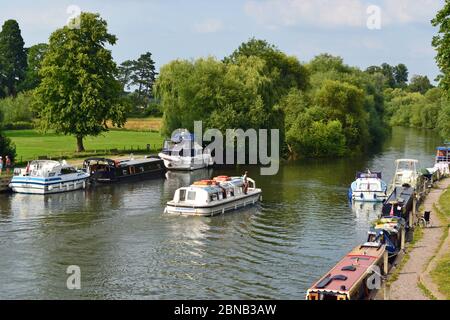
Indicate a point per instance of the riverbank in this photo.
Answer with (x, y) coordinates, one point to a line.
(33, 145)
(413, 280)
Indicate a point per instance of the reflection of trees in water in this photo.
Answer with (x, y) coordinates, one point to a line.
(5, 206)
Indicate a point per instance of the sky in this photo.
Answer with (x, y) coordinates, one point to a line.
(399, 30)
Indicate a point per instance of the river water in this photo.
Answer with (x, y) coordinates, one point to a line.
(127, 248)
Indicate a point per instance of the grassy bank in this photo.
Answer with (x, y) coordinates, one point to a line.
(441, 273)
(31, 144)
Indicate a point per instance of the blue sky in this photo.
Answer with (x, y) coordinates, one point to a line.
(304, 28)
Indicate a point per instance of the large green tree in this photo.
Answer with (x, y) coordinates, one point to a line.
(441, 43)
(79, 92)
(13, 58)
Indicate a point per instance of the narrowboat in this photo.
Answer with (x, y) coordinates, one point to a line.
(183, 153)
(350, 279)
(214, 197)
(400, 203)
(389, 231)
(102, 170)
(368, 187)
(47, 177)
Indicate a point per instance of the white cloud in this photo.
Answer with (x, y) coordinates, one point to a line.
(410, 11)
(209, 26)
(339, 13)
(325, 13)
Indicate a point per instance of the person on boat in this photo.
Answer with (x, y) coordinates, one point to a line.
(1, 165)
(245, 178)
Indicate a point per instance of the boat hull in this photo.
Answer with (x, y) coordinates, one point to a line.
(373, 196)
(42, 187)
(216, 209)
(186, 163)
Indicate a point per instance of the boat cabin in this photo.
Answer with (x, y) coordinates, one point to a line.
(405, 173)
(443, 154)
(46, 169)
(209, 191)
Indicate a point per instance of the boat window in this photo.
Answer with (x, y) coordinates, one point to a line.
(51, 174)
(68, 170)
(182, 195)
(191, 195)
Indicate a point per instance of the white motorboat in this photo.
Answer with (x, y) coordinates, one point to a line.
(214, 197)
(46, 177)
(405, 174)
(183, 153)
(368, 187)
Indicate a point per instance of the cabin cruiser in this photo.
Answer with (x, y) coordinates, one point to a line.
(443, 160)
(46, 177)
(104, 170)
(182, 152)
(214, 197)
(405, 174)
(368, 187)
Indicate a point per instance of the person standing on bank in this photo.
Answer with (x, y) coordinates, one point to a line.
(1, 165)
(7, 164)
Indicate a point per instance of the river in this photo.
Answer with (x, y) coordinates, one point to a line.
(127, 248)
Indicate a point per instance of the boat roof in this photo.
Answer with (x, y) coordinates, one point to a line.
(125, 161)
(366, 175)
(443, 148)
(350, 270)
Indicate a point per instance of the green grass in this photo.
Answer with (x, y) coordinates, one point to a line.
(31, 144)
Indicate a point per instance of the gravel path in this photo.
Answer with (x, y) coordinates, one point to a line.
(406, 288)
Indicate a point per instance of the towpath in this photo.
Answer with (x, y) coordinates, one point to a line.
(406, 286)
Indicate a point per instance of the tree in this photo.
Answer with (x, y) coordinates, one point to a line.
(6, 146)
(79, 93)
(143, 76)
(285, 71)
(441, 42)
(35, 56)
(420, 84)
(13, 59)
(388, 72)
(401, 75)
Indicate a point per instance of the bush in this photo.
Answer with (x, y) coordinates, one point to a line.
(20, 125)
(18, 109)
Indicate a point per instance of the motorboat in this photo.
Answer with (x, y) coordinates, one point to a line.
(368, 187)
(47, 176)
(405, 174)
(214, 197)
(104, 170)
(442, 163)
(348, 279)
(400, 203)
(183, 153)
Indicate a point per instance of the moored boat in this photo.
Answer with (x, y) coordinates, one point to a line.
(183, 153)
(213, 197)
(443, 160)
(46, 177)
(406, 173)
(104, 170)
(349, 279)
(389, 231)
(368, 187)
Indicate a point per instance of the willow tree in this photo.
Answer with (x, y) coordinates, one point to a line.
(79, 94)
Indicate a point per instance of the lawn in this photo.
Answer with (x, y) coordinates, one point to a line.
(31, 144)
